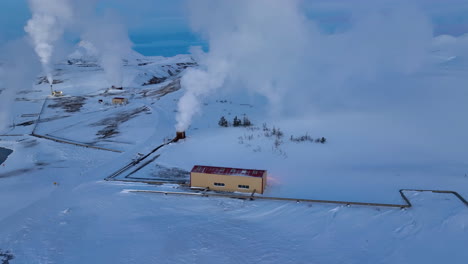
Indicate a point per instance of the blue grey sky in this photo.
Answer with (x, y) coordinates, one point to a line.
(160, 27)
(152, 24)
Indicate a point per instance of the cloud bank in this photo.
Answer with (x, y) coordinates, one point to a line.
(271, 48)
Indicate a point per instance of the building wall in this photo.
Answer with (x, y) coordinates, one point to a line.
(230, 182)
(119, 101)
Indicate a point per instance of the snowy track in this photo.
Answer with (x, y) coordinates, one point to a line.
(133, 163)
(73, 143)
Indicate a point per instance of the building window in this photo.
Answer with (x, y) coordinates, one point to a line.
(219, 184)
(243, 186)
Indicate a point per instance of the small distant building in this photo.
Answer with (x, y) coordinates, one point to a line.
(57, 93)
(119, 100)
(228, 179)
(179, 135)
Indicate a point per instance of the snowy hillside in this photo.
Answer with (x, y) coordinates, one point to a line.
(56, 206)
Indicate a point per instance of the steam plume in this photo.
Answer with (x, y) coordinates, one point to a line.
(46, 27)
(18, 70)
(271, 48)
(110, 39)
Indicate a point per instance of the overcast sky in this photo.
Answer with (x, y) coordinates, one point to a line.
(165, 16)
(141, 16)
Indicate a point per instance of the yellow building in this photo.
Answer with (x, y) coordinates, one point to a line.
(228, 179)
(119, 100)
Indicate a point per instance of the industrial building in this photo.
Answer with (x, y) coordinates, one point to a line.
(228, 179)
(119, 100)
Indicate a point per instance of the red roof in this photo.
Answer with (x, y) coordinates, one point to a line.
(227, 171)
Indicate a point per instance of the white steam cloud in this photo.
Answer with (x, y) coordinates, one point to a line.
(270, 47)
(106, 33)
(46, 27)
(110, 39)
(18, 69)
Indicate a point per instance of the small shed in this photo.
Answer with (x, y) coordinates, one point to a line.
(228, 179)
(119, 100)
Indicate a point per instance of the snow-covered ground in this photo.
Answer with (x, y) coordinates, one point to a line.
(56, 207)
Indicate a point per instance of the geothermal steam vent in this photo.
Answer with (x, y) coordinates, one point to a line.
(179, 135)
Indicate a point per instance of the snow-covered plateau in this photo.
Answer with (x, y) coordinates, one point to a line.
(57, 207)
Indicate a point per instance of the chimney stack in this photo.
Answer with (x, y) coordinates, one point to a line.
(179, 135)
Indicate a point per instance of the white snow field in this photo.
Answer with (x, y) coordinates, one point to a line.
(56, 207)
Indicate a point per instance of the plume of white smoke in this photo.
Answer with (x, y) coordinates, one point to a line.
(244, 47)
(201, 83)
(110, 39)
(106, 33)
(270, 47)
(17, 72)
(49, 18)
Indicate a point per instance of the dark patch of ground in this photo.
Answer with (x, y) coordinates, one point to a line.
(41, 164)
(43, 79)
(112, 123)
(69, 104)
(144, 63)
(155, 80)
(43, 120)
(27, 123)
(5, 257)
(81, 63)
(186, 64)
(165, 173)
(30, 143)
(24, 99)
(170, 88)
(28, 91)
(15, 173)
(4, 153)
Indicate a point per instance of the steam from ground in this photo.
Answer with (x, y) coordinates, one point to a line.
(271, 48)
(46, 27)
(50, 20)
(110, 39)
(52, 17)
(18, 71)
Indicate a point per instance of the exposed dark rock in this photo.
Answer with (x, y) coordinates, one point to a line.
(155, 80)
(43, 120)
(43, 79)
(112, 123)
(170, 88)
(169, 174)
(5, 257)
(69, 104)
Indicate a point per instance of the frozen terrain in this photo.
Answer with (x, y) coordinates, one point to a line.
(55, 206)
